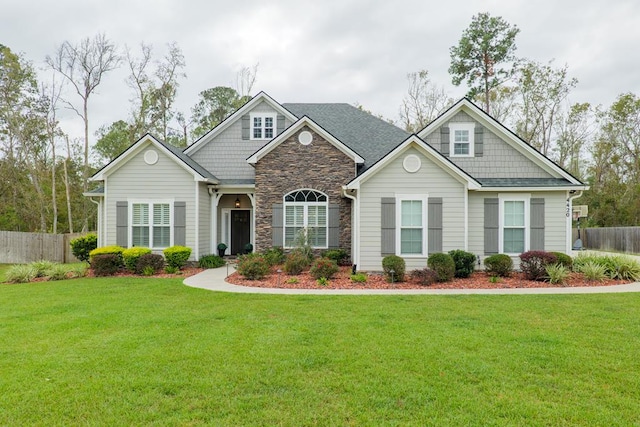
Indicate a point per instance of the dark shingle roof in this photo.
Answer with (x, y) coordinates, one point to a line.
(523, 182)
(188, 160)
(365, 134)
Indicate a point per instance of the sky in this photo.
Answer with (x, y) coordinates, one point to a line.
(353, 51)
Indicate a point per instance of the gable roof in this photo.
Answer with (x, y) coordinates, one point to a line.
(367, 135)
(505, 134)
(190, 165)
(248, 106)
(304, 121)
(429, 151)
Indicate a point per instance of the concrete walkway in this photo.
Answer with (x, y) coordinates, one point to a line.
(214, 280)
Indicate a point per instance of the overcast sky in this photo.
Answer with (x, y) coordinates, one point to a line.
(353, 51)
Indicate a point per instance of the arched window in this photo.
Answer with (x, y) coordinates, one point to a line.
(306, 211)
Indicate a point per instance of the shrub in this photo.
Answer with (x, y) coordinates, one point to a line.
(147, 261)
(77, 271)
(171, 270)
(624, 268)
(177, 256)
(533, 263)
(564, 259)
(20, 273)
(130, 256)
(323, 281)
(324, 267)
(295, 262)
(340, 256)
(148, 271)
(359, 278)
(425, 276)
(211, 261)
(57, 272)
(83, 245)
(107, 250)
(465, 262)
(105, 264)
(443, 265)
(499, 265)
(293, 280)
(42, 267)
(592, 271)
(557, 273)
(253, 266)
(397, 265)
(301, 244)
(274, 255)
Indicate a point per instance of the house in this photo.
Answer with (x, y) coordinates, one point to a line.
(349, 179)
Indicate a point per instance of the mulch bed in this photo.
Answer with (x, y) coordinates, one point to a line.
(184, 273)
(478, 280)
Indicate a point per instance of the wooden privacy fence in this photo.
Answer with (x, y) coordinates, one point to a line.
(19, 248)
(620, 239)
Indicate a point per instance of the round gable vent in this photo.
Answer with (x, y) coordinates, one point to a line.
(305, 137)
(411, 163)
(151, 157)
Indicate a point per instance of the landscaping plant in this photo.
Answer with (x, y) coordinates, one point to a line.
(533, 264)
(83, 245)
(500, 265)
(130, 256)
(425, 276)
(394, 268)
(211, 261)
(148, 262)
(106, 264)
(108, 250)
(564, 259)
(557, 274)
(465, 262)
(252, 266)
(323, 268)
(443, 265)
(295, 262)
(177, 256)
(358, 278)
(274, 255)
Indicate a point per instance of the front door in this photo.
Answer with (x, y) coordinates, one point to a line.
(240, 230)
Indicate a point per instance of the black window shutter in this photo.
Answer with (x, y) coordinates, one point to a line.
(277, 221)
(491, 225)
(122, 224)
(246, 126)
(180, 223)
(444, 141)
(537, 225)
(478, 141)
(434, 216)
(334, 226)
(388, 232)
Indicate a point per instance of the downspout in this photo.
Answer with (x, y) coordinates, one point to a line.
(98, 227)
(213, 222)
(355, 214)
(577, 194)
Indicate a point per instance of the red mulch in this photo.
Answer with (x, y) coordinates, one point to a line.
(478, 280)
(184, 273)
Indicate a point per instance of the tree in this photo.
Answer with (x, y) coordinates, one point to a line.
(112, 140)
(484, 56)
(83, 66)
(423, 102)
(213, 106)
(574, 131)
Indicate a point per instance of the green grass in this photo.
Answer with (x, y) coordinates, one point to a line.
(152, 351)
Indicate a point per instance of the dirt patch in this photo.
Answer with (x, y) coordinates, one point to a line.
(342, 280)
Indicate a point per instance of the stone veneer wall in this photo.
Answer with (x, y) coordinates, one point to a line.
(292, 166)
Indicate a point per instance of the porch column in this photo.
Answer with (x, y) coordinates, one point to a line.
(215, 198)
(252, 197)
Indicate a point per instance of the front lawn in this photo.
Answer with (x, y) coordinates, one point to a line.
(137, 351)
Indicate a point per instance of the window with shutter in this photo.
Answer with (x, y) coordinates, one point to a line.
(151, 224)
(306, 210)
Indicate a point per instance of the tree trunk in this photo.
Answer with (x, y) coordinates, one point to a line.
(66, 186)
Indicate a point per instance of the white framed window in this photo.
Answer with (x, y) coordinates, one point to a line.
(306, 211)
(411, 221)
(461, 139)
(514, 224)
(262, 125)
(151, 224)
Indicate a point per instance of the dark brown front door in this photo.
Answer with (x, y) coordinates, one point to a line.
(240, 230)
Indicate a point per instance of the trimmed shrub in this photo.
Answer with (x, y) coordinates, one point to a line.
(340, 256)
(149, 261)
(397, 265)
(564, 259)
(425, 276)
(557, 274)
(323, 267)
(130, 256)
(83, 245)
(499, 265)
(177, 256)
(295, 262)
(274, 255)
(465, 262)
(253, 266)
(211, 261)
(533, 264)
(359, 278)
(20, 273)
(106, 264)
(107, 250)
(443, 265)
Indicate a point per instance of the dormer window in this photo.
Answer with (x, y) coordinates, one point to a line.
(461, 139)
(262, 125)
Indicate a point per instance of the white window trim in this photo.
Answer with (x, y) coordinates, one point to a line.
(424, 198)
(263, 116)
(526, 198)
(453, 127)
(150, 202)
(305, 217)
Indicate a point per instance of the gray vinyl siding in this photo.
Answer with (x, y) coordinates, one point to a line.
(226, 155)
(204, 213)
(135, 179)
(394, 180)
(499, 159)
(555, 237)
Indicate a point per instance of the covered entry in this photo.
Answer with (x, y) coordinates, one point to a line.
(240, 230)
